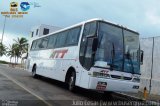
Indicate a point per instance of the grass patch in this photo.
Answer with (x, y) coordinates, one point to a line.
(3, 62)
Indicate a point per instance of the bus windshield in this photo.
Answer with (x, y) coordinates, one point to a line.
(117, 48)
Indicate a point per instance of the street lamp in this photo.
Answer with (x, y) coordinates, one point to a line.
(3, 29)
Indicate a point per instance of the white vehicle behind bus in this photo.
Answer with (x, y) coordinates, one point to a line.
(95, 54)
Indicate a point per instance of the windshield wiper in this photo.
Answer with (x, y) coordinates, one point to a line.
(113, 56)
(128, 55)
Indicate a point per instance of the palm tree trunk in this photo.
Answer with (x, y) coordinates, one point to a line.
(15, 59)
(21, 62)
(10, 62)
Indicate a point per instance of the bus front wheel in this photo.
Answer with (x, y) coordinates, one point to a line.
(71, 82)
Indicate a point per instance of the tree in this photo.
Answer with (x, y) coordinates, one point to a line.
(2, 49)
(11, 51)
(17, 49)
(20, 47)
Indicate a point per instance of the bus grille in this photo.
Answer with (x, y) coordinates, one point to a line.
(121, 77)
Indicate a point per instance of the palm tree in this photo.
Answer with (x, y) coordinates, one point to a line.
(11, 51)
(20, 47)
(17, 49)
(2, 49)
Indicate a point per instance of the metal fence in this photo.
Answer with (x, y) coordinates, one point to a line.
(150, 70)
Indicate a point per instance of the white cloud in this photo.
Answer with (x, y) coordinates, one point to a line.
(153, 17)
(9, 40)
(136, 14)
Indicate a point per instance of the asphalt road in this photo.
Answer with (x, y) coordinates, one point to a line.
(17, 87)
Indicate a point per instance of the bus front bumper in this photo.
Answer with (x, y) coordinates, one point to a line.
(115, 85)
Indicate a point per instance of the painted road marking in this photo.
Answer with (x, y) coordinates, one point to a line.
(19, 84)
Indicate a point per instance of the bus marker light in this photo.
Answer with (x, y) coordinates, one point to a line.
(145, 93)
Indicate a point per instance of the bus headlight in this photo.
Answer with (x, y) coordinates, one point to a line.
(136, 80)
(135, 87)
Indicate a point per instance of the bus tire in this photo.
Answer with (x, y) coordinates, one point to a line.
(71, 81)
(34, 75)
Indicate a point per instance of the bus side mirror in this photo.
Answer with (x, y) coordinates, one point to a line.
(95, 44)
(141, 56)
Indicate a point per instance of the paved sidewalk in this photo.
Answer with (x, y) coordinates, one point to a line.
(151, 99)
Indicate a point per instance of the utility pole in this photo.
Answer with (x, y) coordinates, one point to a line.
(3, 29)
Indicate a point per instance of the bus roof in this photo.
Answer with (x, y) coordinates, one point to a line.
(83, 22)
(115, 24)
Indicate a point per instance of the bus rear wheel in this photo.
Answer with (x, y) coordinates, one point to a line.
(71, 83)
(34, 75)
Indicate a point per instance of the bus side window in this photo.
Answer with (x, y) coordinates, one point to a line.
(73, 36)
(52, 41)
(37, 45)
(33, 45)
(89, 29)
(43, 43)
(88, 54)
(61, 39)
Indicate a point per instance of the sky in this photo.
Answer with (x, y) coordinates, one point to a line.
(140, 15)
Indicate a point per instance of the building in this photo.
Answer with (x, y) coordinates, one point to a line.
(150, 70)
(38, 31)
(43, 30)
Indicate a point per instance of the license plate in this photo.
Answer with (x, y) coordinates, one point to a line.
(101, 85)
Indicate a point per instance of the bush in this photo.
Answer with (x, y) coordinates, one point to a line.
(3, 62)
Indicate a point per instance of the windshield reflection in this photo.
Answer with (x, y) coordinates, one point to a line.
(131, 63)
(110, 46)
(111, 50)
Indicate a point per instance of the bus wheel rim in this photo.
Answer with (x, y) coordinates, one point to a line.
(34, 72)
(71, 83)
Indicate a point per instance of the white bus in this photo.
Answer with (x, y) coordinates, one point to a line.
(95, 54)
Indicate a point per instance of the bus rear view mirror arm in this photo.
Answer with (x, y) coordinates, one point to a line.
(141, 56)
(95, 44)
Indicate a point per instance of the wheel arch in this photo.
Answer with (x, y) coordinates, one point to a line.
(34, 65)
(69, 71)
